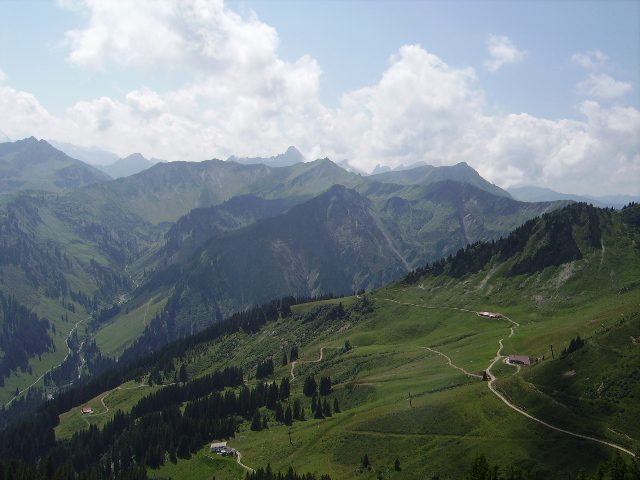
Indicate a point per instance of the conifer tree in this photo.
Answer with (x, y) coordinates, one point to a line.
(256, 422)
(310, 386)
(326, 408)
(288, 415)
(325, 385)
(285, 388)
(297, 409)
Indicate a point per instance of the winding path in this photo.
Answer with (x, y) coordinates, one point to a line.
(493, 378)
(295, 362)
(474, 375)
(239, 460)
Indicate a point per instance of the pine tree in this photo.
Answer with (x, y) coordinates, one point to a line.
(326, 408)
(285, 388)
(325, 385)
(297, 409)
(288, 415)
(293, 355)
(365, 461)
(318, 413)
(310, 386)
(396, 465)
(336, 406)
(256, 422)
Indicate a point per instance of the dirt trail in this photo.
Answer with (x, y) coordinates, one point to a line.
(493, 378)
(491, 384)
(239, 460)
(295, 362)
(474, 375)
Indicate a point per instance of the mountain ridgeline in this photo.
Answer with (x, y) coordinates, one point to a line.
(104, 260)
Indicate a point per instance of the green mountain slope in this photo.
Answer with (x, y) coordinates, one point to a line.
(406, 366)
(339, 242)
(426, 174)
(32, 164)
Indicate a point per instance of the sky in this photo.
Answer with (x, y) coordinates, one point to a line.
(543, 93)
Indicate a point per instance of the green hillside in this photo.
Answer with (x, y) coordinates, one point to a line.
(341, 241)
(407, 368)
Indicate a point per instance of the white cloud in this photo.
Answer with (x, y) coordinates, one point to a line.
(420, 106)
(603, 86)
(591, 59)
(502, 51)
(201, 35)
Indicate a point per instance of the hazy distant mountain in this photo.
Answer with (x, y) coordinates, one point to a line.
(401, 167)
(345, 164)
(3, 137)
(33, 164)
(124, 167)
(540, 194)
(461, 172)
(380, 169)
(286, 159)
(92, 156)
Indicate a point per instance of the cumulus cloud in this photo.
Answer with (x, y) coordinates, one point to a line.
(202, 35)
(420, 106)
(603, 86)
(503, 51)
(591, 59)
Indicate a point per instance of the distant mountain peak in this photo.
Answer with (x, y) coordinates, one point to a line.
(290, 157)
(380, 169)
(125, 167)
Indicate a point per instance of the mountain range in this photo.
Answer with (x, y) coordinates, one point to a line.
(109, 261)
(538, 194)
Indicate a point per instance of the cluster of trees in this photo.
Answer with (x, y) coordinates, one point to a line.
(265, 368)
(617, 469)
(311, 387)
(23, 335)
(268, 474)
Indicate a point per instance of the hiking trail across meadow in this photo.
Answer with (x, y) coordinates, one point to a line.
(493, 378)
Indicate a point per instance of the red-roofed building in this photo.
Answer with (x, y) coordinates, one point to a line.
(519, 359)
